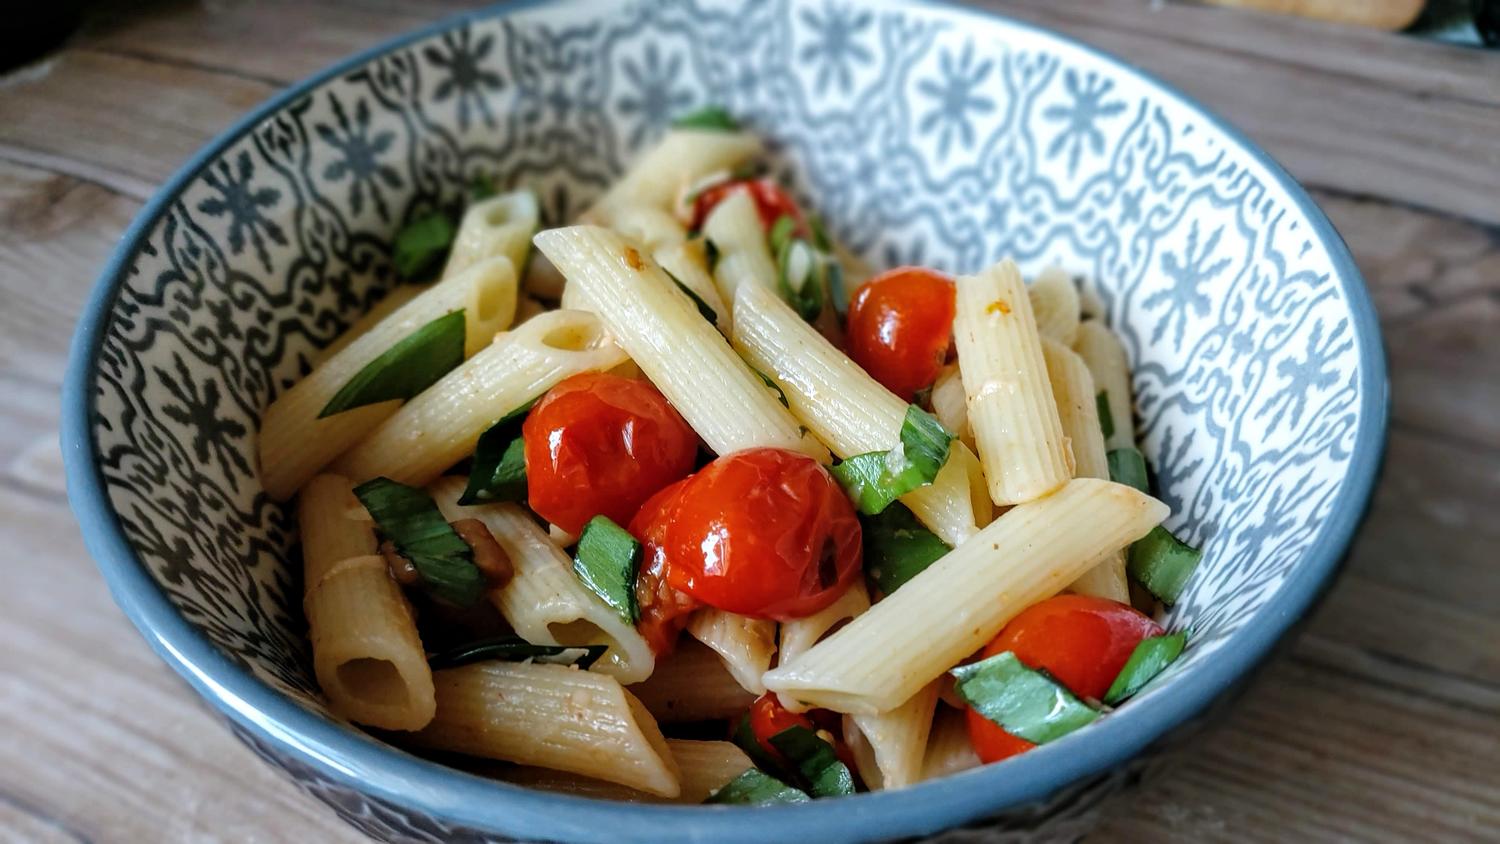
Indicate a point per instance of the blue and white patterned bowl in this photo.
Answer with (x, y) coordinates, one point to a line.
(925, 134)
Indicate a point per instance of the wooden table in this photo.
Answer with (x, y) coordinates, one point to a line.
(1381, 722)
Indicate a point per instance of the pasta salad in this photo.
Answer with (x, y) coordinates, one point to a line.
(682, 502)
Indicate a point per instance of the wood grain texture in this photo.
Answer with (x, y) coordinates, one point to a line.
(1380, 722)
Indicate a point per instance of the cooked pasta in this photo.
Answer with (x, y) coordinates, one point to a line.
(746, 645)
(1105, 357)
(735, 229)
(692, 684)
(681, 158)
(501, 226)
(948, 747)
(1054, 301)
(890, 747)
(703, 766)
(397, 297)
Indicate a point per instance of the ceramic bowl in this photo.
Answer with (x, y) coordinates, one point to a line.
(925, 134)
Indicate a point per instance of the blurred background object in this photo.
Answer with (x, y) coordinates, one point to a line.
(1381, 14)
(27, 37)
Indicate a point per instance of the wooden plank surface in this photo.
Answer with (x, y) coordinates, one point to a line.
(1381, 722)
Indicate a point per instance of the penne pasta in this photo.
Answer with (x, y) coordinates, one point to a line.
(703, 766)
(544, 600)
(850, 411)
(948, 747)
(801, 634)
(735, 229)
(890, 747)
(1105, 357)
(686, 262)
(1073, 388)
(951, 609)
(367, 655)
(685, 357)
(692, 684)
(295, 443)
(950, 406)
(501, 226)
(681, 157)
(552, 716)
(441, 426)
(1011, 407)
(650, 226)
(746, 645)
(1054, 301)
(398, 296)
(541, 279)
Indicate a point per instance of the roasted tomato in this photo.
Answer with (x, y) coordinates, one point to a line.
(768, 717)
(900, 328)
(764, 532)
(600, 444)
(664, 610)
(770, 201)
(1083, 642)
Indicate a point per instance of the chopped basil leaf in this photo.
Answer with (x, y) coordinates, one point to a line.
(422, 244)
(412, 365)
(713, 117)
(607, 560)
(781, 233)
(744, 738)
(897, 547)
(1163, 563)
(1106, 418)
(499, 470)
(408, 517)
(1128, 466)
(481, 188)
(877, 478)
(1146, 661)
(819, 234)
(816, 762)
(772, 386)
(1027, 703)
(516, 649)
(704, 309)
(835, 280)
(799, 276)
(756, 788)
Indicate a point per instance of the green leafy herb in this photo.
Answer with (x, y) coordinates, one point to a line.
(877, 478)
(405, 369)
(1128, 466)
(756, 788)
(800, 271)
(772, 386)
(413, 523)
(1106, 417)
(781, 233)
(744, 738)
(816, 762)
(607, 560)
(704, 309)
(714, 117)
(897, 547)
(422, 244)
(499, 470)
(482, 187)
(1163, 563)
(1027, 703)
(819, 234)
(516, 649)
(1146, 661)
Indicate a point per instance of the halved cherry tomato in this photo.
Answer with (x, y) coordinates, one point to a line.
(664, 610)
(900, 328)
(600, 444)
(766, 533)
(770, 201)
(768, 717)
(1082, 641)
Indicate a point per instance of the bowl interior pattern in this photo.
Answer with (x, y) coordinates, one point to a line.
(923, 134)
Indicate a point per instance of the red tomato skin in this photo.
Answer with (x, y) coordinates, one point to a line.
(766, 533)
(900, 328)
(768, 717)
(771, 202)
(664, 610)
(1082, 641)
(601, 444)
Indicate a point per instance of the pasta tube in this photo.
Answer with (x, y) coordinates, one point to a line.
(692, 684)
(1105, 357)
(889, 748)
(501, 226)
(1054, 300)
(746, 645)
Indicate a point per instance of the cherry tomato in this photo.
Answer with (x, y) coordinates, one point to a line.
(768, 717)
(770, 201)
(664, 610)
(602, 444)
(900, 328)
(1082, 641)
(766, 533)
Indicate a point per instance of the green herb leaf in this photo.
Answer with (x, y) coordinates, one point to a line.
(744, 738)
(1163, 564)
(704, 309)
(1146, 661)
(607, 560)
(816, 762)
(756, 788)
(799, 276)
(1027, 703)
(781, 233)
(877, 478)
(408, 517)
(772, 386)
(516, 649)
(1128, 466)
(1106, 417)
(412, 365)
(897, 547)
(422, 244)
(820, 237)
(714, 117)
(482, 187)
(499, 470)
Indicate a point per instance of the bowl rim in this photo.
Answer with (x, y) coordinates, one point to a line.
(369, 767)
